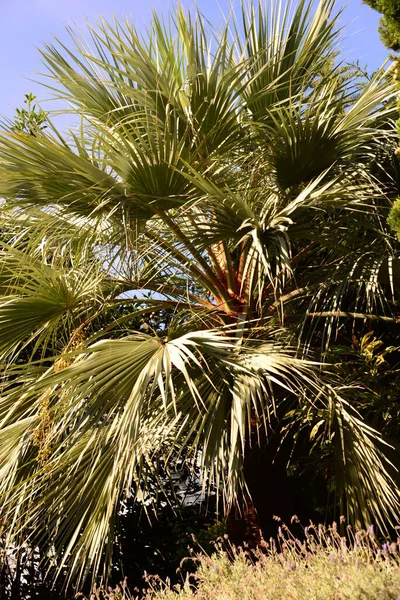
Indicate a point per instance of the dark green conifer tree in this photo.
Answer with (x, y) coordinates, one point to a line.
(389, 27)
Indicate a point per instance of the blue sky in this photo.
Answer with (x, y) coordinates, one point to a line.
(26, 25)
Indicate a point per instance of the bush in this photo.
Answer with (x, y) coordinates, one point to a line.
(325, 565)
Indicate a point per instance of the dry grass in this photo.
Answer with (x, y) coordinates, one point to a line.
(323, 566)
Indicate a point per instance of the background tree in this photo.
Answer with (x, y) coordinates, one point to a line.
(389, 30)
(31, 119)
(389, 27)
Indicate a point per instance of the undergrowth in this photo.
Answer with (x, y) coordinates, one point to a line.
(327, 563)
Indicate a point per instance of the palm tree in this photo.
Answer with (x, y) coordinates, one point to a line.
(229, 184)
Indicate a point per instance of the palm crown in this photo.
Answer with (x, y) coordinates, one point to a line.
(230, 184)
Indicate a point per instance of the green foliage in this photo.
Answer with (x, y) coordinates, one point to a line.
(323, 564)
(389, 30)
(389, 27)
(30, 119)
(394, 217)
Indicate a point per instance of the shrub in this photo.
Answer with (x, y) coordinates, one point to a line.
(325, 565)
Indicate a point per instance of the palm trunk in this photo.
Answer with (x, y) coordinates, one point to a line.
(243, 527)
(273, 493)
(243, 522)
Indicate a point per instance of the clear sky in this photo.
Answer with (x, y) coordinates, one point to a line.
(26, 24)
